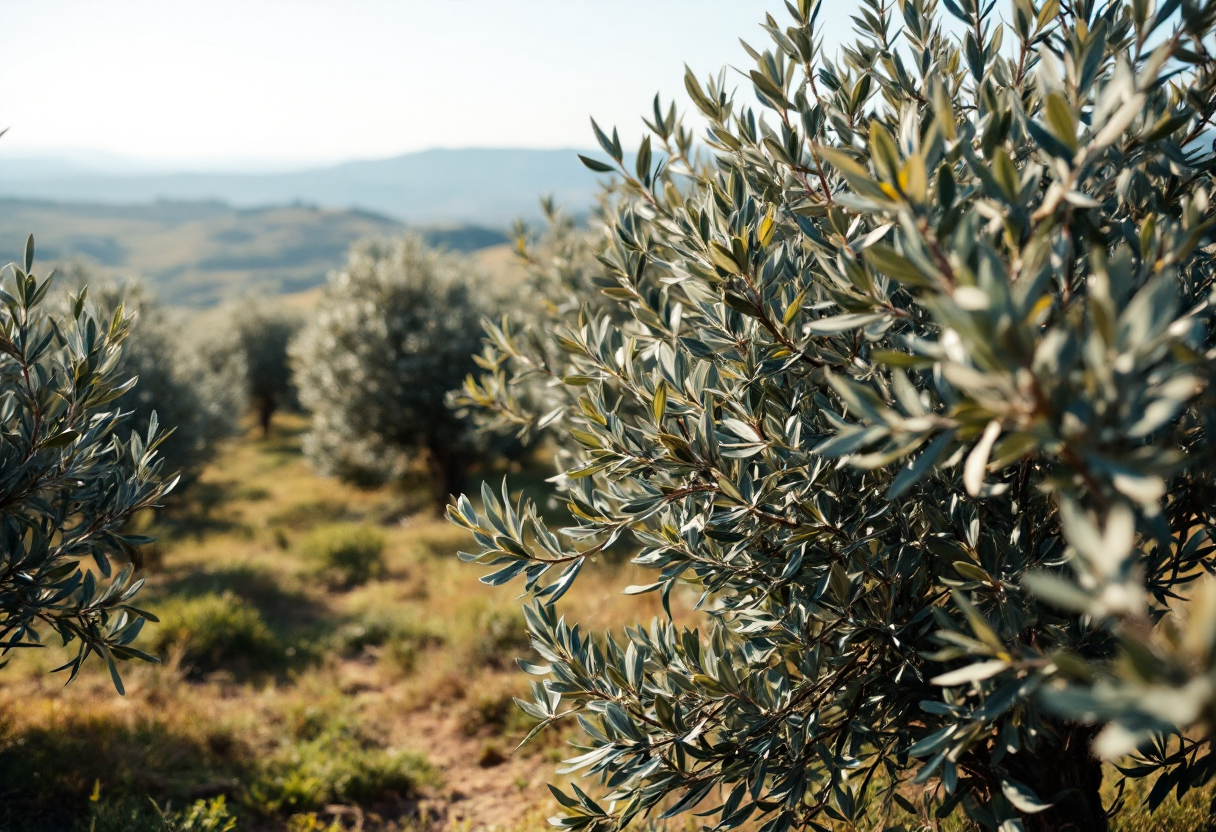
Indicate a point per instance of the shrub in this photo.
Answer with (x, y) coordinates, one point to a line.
(400, 638)
(346, 553)
(335, 767)
(915, 389)
(393, 335)
(500, 637)
(68, 480)
(217, 631)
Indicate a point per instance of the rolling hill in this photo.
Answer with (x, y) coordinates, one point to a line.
(489, 187)
(198, 253)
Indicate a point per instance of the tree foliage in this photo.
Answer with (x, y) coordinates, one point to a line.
(393, 334)
(259, 331)
(183, 380)
(69, 480)
(909, 384)
(520, 390)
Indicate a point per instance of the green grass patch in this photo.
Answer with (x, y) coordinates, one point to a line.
(327, 758)
(345, 553)
(216, 631)
(394, 635)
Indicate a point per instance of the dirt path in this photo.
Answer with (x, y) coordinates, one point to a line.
(483, 791)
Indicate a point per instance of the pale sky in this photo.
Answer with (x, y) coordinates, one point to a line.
(207, 83)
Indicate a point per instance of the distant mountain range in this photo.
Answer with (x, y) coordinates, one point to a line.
(487, 187)
(199, 253)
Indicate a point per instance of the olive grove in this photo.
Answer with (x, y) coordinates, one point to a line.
(392, 336)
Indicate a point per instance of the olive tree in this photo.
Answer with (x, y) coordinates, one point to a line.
(393, 334)
(253, 346)
(913, 398)
(181, 382)
(71, 474)
(519, 391)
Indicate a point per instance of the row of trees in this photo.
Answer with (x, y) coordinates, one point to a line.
(199, 379)
(111, 401)
(393, 336)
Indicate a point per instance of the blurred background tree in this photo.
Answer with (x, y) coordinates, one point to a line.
(393, 334)
(253, 342)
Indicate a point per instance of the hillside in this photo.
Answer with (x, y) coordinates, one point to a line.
(198, 253)
(480, 186)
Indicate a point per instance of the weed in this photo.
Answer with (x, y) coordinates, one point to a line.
(307, 775)
(130, 814)
(396, 636)
(491, 755)
(310, 822)
(325, 757)
(204, 816)
(345, 553)
(217, 631)
(500, 637)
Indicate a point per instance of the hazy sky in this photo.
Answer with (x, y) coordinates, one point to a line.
(215, 82)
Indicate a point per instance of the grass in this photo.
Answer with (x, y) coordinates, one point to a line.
(213, 631)
(345, 554)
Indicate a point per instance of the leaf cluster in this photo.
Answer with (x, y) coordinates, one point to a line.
(69, 481)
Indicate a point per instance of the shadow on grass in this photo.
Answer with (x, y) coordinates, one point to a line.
(284, 445)
(302, 517)
(51, 776)
(238, 619)
(198, 512)
(47, 774)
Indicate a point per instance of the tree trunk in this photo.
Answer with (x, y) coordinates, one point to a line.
(1065, 774)
(449, 472)
(265, 414)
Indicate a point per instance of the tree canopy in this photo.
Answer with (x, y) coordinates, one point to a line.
(394, 333)
(908, 391)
